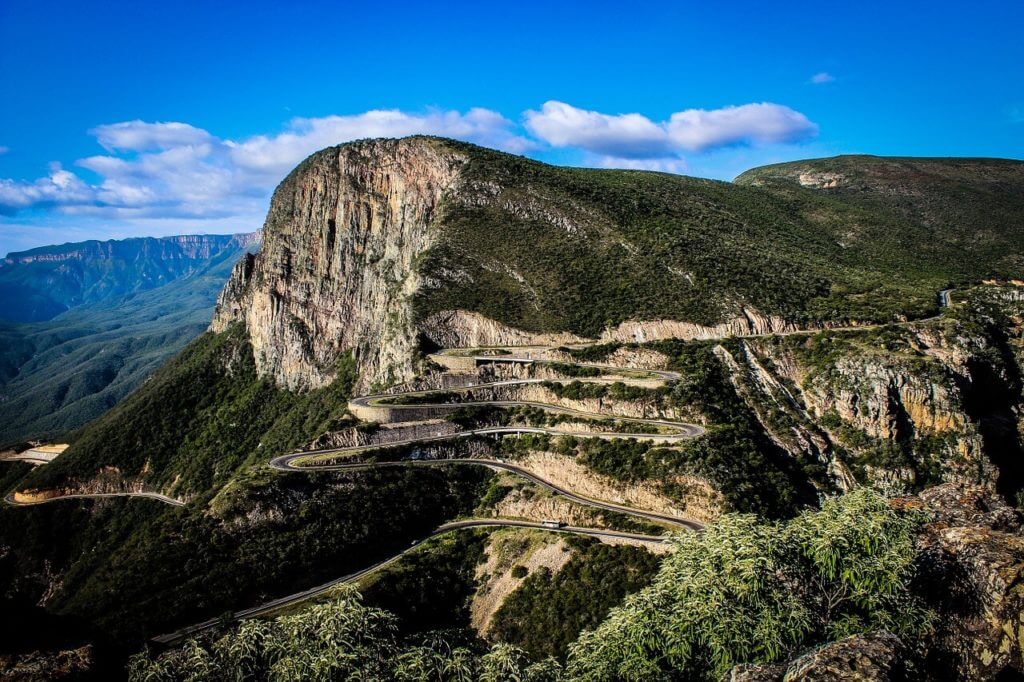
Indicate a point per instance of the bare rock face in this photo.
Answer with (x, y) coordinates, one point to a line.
(748, 321)
(861, 658)
(335, 273)
(465, 329)
(976, 549)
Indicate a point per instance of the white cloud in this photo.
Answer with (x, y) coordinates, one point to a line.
(621, 135)
(140, 136)
(57, 188)
(183, 177)
(663, 165)
(280, 153)
(634, 136)
(175, 170)
(822, 77)
(765, 123)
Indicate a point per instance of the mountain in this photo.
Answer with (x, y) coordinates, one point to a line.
(378, 246)
(39, 284)
(824, 378)
(58, 374)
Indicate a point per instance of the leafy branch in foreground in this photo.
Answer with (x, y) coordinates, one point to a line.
(339, 640)
(744, 591)
(749, 591)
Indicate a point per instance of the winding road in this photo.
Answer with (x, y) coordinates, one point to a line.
(467, 360)
(71, 496)
(282, 602)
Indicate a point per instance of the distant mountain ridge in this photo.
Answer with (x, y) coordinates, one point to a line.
(57, 374)
(41, 283)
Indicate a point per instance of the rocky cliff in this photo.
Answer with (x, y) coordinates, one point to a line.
(899, 407)
(336, 271)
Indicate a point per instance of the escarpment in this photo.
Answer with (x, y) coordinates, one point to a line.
(336, 274)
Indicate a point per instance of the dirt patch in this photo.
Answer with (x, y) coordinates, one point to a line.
(511, 558)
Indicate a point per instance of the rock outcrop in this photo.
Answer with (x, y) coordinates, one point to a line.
(860, 658)
(975, 563)
(335, 274)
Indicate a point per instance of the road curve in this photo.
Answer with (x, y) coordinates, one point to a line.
(288, 463)
(152, 496)
(281, 602)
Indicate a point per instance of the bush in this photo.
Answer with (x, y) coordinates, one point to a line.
(750, 591)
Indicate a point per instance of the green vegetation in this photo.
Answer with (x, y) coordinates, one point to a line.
(548, 611)
(943, 206)
(141, 568)
(584, 249)
(37, 284)
(735, 454)
(59, 374)
(195, 441)
(430, 588)
(341, 640)
(579, 390)
(749, 591)
(743, 591)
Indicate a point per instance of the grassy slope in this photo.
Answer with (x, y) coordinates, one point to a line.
(57, 375)
(576, 249)
(199, 419)
(960, 214)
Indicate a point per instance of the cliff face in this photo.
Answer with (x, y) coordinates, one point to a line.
(899, 408)
(336, 271)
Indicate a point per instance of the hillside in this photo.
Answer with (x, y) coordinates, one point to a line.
(623, 355)
(940, 205)
(58, 374)
(39, 284)
(381, 246)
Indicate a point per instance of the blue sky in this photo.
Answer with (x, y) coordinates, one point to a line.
(124, 119)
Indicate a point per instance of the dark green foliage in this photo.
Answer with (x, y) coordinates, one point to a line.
(145, 568)
(941, 206)
(46, 540)
(339, 640)
(199, 419)
(430, 588)
(735, 454)
(623, 459)
(548, 611)
(610, 246)
(579, 390)
(749, 591)
(59, 374)
(11, 474)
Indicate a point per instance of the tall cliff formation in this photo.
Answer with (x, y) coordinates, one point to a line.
(336, 270)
